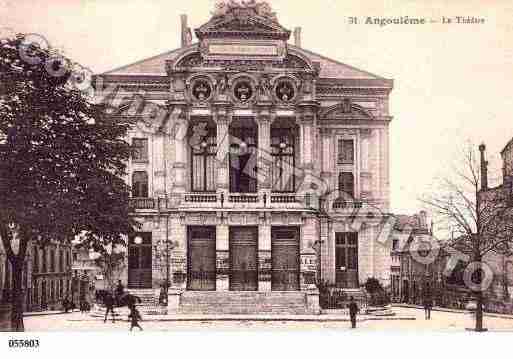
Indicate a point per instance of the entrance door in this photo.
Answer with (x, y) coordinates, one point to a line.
(243, 258)
(285, 258)
(139, 260)
(346, 259)
(201, 263)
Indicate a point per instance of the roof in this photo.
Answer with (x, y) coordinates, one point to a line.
(329, 68)
(403, 221)
(507, 146)
(155, 65)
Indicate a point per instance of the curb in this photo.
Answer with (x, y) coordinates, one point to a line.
(252, 319)
(460, 311)
(44, 313)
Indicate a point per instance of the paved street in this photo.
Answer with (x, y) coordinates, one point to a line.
(441, 321)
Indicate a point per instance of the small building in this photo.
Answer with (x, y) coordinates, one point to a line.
(501, 263)
(46, 276)
(408, 276)
(51, 275)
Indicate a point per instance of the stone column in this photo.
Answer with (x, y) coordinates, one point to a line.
(222, 256)
(264, 120)
(178, 261)
(180, 139)
(178, 255)
(159, 173)
(264, 253)
(306, 160)
(308, 257)
(324, 249)
(223, 119)
(327, 158)
(307, 141)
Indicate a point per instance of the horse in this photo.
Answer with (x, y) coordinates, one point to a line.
(128, 300)
(125, 300)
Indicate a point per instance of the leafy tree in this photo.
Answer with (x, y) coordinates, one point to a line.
(372, 285)
(378, 295)
(62, 161)
(112, 266)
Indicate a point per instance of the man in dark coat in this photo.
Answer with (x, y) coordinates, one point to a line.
(66, 304)
(353, 310)
(120, 290)
(134, 317)
(108, 300)
(428, 303)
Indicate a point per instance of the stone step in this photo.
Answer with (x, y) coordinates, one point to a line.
(149, 297)
(206, 302)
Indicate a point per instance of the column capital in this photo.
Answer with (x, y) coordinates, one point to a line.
(365, 132)
(326, 132)
(307, 117)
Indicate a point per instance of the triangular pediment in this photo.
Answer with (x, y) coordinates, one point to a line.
(346, 110)
(248, 20)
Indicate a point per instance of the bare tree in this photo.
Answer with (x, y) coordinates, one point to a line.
(481, 218)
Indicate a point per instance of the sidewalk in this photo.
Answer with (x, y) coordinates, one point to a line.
(451, 310)
(253, 317)
(49, 312)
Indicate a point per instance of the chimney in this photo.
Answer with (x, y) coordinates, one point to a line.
(297, 36)
(186, 32)
(484, 168)
(423, 219)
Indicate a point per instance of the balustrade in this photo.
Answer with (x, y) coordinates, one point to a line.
(142, 203)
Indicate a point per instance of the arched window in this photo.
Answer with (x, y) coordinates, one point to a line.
(140, 184)
(52, 261)
(61, 261)
(346, 184)
(283, 151)
(45, 261)
(203, 157)
(35, 263)
(243, 156)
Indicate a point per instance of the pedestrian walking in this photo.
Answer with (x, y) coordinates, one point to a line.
(353, 310)
(119, 291)
(66, 304)
(134, 317)
(108, 300)
(428, 303)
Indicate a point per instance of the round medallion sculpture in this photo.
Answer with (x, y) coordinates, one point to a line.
(201, 90)
(285, 91)
(243, 91)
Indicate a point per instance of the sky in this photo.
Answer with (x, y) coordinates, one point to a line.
(452, 82)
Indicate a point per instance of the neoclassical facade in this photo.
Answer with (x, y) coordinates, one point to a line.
(254, 157)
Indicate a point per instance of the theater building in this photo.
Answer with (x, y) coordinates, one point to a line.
(252, 153)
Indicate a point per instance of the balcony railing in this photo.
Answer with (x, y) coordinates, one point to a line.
(201, 198)
(341, 204)
(284, 198)
(243, 198)
(142, 203)
(221, 200)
